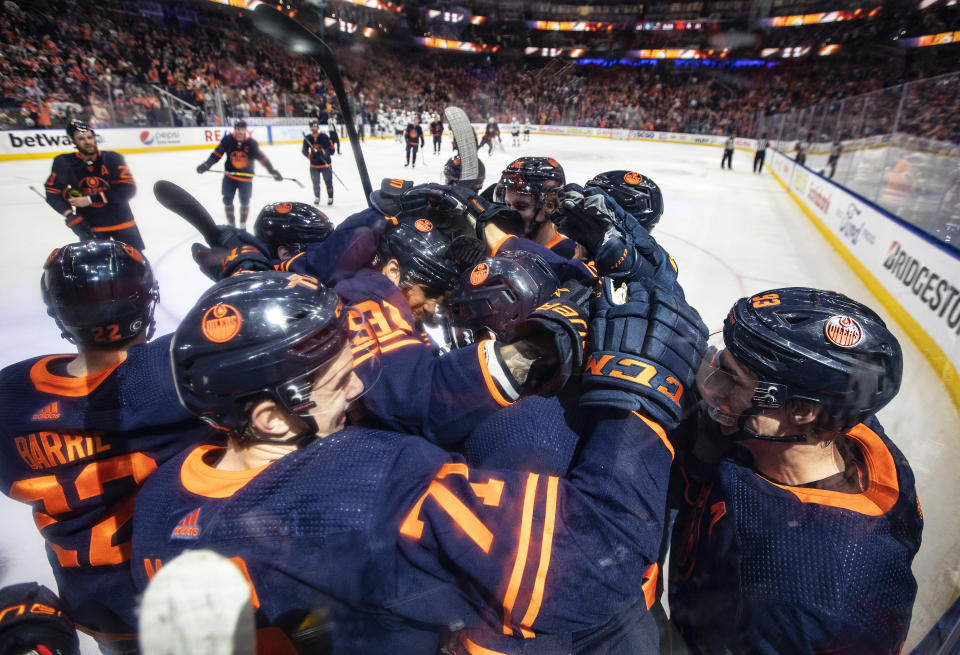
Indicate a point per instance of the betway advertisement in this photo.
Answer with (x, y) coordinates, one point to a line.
(26, 144)
(922, 276)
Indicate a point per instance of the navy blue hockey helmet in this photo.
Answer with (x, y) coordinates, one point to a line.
(501, 291)
(421, 250)
(32, 622)
(636, 193)
(451, 173)
(77, 125)
(101, 293)
(293, 225)
(263, 333)
(815, 345)
(527, 175)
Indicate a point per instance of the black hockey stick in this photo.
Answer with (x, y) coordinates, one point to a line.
(299, 39)
(181, 203)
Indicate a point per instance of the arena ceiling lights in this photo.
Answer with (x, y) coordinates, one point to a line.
(448, 44)
(584, 26)
(814, 19)
(942, 38)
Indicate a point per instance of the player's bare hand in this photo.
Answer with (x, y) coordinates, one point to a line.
(82, 201)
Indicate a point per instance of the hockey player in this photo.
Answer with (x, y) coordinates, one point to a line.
(288, 228)
(835, 151)
(82, 432)
(436, 129)
(391, 538)
(727, 153)
(515, 132)
(799, 517)
(92, 190)
(529, 187)
(491, 133)
(319, 152)
(801, 155)
(333, 134)
(451, 174)
(241, 150)
(398, 126)
(413, 136)
(761, 153)
(526, 129)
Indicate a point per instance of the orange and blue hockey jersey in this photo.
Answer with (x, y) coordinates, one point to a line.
(318, 150)
(395, 540)
(240, 157)
(762, 567)
(413, 135)
(107, 181)
(77, 450)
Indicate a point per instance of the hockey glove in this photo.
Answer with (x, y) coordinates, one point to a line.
(402, 200)
(647, 348)
(593, 221)
(459, 210)
(276, 175)
(562, 322)
(220, 263)
(203, 168)
(80, 227)
(466, 252)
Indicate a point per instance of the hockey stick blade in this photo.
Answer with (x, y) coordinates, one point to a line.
(181, 203)
(300, 40)
(466, 140)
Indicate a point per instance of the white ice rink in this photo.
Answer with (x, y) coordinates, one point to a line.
(732, 234)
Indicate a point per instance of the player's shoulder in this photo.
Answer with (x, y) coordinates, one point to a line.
(15, 379)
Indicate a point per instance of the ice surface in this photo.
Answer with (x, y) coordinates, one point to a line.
(732, 233)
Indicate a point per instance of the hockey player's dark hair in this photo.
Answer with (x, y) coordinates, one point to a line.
(815, 345)
(101, 293)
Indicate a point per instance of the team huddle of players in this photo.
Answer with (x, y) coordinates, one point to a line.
(462, 421)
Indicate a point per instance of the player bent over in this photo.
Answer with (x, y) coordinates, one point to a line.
(390, 538)
(319, 151)
(92, 190)
(241, 151)
(80, 433)
(799, 518)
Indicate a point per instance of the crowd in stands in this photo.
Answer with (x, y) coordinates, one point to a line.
(119, 63)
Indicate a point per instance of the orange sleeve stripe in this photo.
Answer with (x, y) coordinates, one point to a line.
(477, 649)
(400, 344)
(546, 549)
(487, 378)
(499, 244)
(285, 265)
(526, 523)
(78, 219)
(42, 520)
(658, 429)
(113, 228)
(651, 579)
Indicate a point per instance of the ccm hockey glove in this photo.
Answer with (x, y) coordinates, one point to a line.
(559, 329)
(239, 252)
(646, 351)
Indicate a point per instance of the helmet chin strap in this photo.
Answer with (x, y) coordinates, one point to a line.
(300, 439)
(743, 432)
